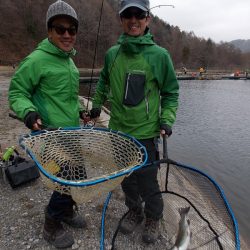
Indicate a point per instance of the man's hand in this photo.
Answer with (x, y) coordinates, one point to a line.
(95, 112)
(165, 129)
(85, 116)
(33, 121)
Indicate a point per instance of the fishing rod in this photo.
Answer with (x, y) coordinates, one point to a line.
(162, 5)
(94, 58)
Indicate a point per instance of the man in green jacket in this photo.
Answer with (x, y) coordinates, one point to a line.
(139, 80)
(44, 93)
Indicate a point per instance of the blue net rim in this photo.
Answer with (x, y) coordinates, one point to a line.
(96, 180)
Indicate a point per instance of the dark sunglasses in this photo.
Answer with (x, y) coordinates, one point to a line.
(137, 14)
(60, 30)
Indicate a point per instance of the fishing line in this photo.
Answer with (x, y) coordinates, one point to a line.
(96, 45)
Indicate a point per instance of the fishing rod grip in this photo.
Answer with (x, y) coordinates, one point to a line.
(165, 150)
(43, 127)
(14, 116)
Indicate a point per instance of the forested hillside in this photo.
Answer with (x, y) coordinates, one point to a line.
(23, 26)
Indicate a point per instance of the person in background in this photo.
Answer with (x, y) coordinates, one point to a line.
(138, 78)
(201, 71)
(237, 73)
(44, 93)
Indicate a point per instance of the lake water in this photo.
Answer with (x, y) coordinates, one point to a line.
(212, 133)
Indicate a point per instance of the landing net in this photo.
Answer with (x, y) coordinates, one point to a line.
(84, 162)
(212, 222)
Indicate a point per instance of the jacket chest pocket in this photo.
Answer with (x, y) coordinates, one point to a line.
(134, 88)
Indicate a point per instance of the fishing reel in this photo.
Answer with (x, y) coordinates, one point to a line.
(6, 159)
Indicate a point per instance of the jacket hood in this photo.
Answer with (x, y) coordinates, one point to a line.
(131, 44)
(49, 47)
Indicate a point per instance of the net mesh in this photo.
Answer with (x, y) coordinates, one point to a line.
(211, 221)
(84, 162)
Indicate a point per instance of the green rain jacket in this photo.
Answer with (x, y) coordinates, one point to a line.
(139, 80)
(47, 81)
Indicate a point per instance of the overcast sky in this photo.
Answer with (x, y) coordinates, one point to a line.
(220, 20)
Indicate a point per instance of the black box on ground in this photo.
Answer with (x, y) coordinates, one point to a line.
(21, 172)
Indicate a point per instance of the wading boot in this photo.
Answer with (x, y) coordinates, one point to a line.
(131, 221)
(151, 231)
(55, 234)
(73, 219)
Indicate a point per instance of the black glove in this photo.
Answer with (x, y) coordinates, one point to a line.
(95, 112)
(31, 118)
(167, 128)
(83, 114)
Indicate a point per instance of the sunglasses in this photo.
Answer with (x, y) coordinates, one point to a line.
(137, 14)
(60, 30)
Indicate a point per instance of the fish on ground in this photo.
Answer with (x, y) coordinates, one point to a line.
(184, 232)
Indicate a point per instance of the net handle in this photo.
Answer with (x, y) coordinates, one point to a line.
(165, 147)
(165, 158)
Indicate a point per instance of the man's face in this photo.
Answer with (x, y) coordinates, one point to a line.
(63, 33)
(134, 21)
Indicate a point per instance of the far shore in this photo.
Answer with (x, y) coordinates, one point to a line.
(190, 74)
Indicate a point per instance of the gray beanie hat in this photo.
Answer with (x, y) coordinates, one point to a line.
(141, 4)
(60, 8)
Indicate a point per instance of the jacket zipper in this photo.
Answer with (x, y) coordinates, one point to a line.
(127, 83)
(147, 104)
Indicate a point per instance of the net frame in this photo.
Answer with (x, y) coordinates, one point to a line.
(105, 182)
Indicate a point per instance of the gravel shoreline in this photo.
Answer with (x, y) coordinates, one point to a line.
(22, 209)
